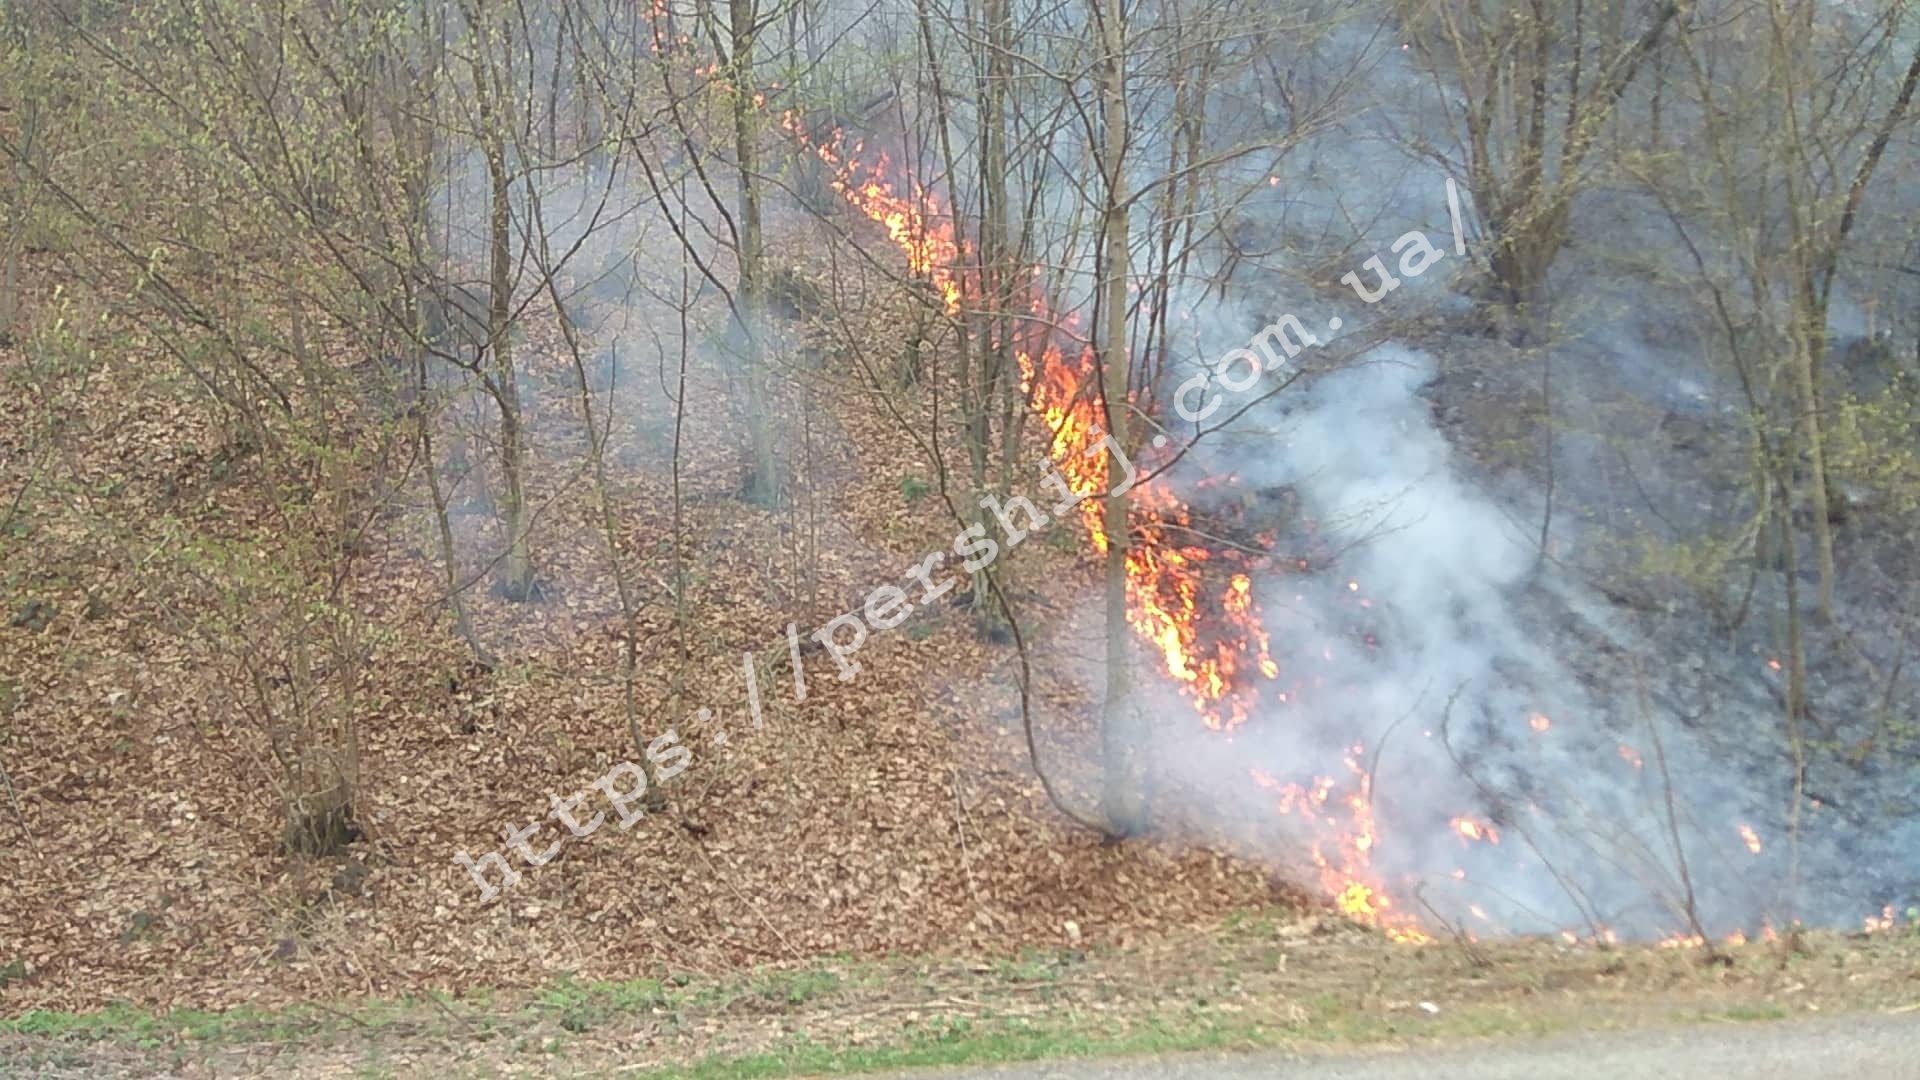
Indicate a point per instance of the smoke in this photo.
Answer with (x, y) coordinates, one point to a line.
(1433, 664)
(1478, 682)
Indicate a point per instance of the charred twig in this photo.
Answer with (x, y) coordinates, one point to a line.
(1580, 901)
(1475, 954)
(1690, 906)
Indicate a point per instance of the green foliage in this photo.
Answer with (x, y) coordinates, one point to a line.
(913, 488)
(581, 1007)
(1704, 566)
(1874, 443)
(800, 987)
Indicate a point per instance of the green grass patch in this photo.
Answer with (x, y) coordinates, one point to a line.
(572, 1006)
(966, 1041)
(581, 1007)
(853, 1017)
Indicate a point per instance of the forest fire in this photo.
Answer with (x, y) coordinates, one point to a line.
(1169, 592)
(1193, 604)
(1029, 508)
(1209, 638)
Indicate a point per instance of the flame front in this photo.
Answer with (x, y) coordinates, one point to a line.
(1342, 849)
(1169, 588)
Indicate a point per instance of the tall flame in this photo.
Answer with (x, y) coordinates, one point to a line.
(1168, 589)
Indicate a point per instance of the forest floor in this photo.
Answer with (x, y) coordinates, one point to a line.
(894, 813)
(1253, 980)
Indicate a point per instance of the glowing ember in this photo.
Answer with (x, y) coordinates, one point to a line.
(1539, 723)
(1469, 829)
(1631, 756)
(1750, 838)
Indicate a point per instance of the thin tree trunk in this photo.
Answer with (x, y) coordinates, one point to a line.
(1808, 344)
(1124, 793)
(765, 486)
(516, 581)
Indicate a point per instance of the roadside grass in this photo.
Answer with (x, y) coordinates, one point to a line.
(1254, 981)
(572, 1006)
(569, 1005)
(990, 1040)
(982, 1041)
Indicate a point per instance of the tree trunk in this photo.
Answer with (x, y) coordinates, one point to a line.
(1809, 349)
(516, 577)
(1122, 738)
(764, 486)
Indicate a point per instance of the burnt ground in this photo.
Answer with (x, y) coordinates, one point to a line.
(1659, 611)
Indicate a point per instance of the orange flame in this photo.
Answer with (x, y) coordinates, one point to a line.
(915, 223)
(1342, 847)
(1165, 586)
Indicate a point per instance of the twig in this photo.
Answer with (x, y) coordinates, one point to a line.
(348, 1017)
(1691, 907)
(1580, 901)
(443, 1007)
(728, 882)
(13, 800)
(1475, 955)
(960, 832)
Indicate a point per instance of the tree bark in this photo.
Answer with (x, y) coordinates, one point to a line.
(1122, 738)
(764, 486)
(516, 578)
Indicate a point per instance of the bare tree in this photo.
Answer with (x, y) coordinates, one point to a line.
(1529, 86)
